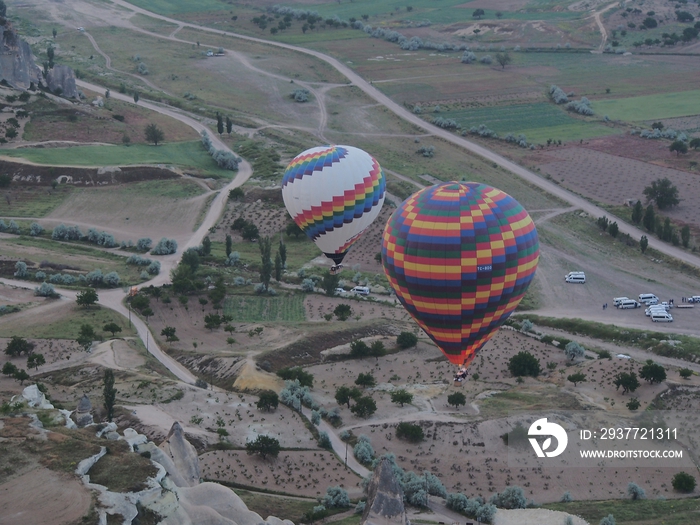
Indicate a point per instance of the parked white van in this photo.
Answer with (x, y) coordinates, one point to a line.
(576, 277)
(661, 317)
(648, 298)
(629, 303)
(574, 273)
(361, 290)
(654, 308)
(618, 300)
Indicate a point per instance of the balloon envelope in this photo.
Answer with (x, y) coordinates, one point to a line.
(460, 257)
(333, 193)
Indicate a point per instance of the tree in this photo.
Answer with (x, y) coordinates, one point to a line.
(9, 369)
(406, 340)
(21, 376)
(694, 143)
(169, 333)
(269, 400)
(229, 125)
(457, 399)
(613, 229)
(365, 380)
(147, 312)
(212, 321)
(679, 147)
(109, 393)
(191, 259)
(478, 13)
(278, 267)
(344, 394)
(503, 59)
(263, 445)
(524, 364)
(683, 482)
(329, 283)
(649, 218)
(652, 372)
(359, 349)
(53, 31)
(297, 374)
(229, 244)
(86, 337)
(136, 97)
(342, 311)
(364, 407)
(685, 235)
(336, 497)
(377, 349)
(86, 298)
(578, 377)
(637, 212)
(112, 327)
(635, 491)
(18, 346)
(219, 124)
(35, 361)
(265, 262)
(282, 250)
(206, 246)
(650, 22)
(410, 432)
(401, 397)
(574, 351)
(628, 382)
(663, 193)
(684, 16)
(154, 134)
(250, 232)
(643, 243)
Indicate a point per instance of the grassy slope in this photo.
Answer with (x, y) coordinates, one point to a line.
(648, 107)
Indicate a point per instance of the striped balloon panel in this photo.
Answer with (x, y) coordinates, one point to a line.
(333, 193)
(460, 257)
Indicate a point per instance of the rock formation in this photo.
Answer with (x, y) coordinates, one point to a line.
(61, 81)
(36, 398)
(384, 498)
(17, 66)
(83, 414)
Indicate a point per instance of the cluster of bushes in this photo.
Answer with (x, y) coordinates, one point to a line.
(520, 140)
(249, 231)
(582, 107)
(97, 278)
(73, 233)
(446, 123)
(153, 266)
(11, 228)
(660, 133)
(558, 95)
(475, 508)
(165, 247)
(300, 95)
(483, 131)
(224, 159)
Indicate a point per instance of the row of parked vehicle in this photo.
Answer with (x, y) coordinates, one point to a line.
(657, 311)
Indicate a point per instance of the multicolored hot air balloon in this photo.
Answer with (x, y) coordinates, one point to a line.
(334, 193)
(460, 257)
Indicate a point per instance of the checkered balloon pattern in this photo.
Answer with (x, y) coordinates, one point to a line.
(333, 193)
(460, 257)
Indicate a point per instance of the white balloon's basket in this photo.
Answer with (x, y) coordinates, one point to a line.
(457, 384)
(335, 270)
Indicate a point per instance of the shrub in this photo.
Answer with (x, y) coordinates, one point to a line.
(324, 441)
(20, 270)
(144, 244)
(154, 268)
(683, 482)
(410, 432)
(40, 276)
(363, 451)
(558, 95)
(524, 364)
(511, 498)
(406, 340)
(45, 290)
(336, 497)
(635, 491)
(608, 520)
(307, 285)
(574, 351)
(35, 229)
(111, 279)
(567, 498)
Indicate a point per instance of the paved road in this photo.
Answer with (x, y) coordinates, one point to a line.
(403, 113)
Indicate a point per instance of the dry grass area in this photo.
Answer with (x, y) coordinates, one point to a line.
(302, 473)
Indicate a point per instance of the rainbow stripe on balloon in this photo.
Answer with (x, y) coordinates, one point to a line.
(460, 257)
(341, 209)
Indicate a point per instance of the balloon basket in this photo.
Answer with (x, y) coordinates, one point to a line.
(335, 270)
(457, 384)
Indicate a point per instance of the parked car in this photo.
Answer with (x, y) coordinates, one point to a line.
(694, 299)
(629, 303)
(339, 291)
(576, 277)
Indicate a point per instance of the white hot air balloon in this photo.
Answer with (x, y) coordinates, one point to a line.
(334, 193)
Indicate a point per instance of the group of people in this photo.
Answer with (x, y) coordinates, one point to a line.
(461, 375)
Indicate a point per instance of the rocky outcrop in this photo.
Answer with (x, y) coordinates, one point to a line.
(61, 81)
(83, 413)
(17, 66)
(36, 398)
(182, 457)
(384, 498)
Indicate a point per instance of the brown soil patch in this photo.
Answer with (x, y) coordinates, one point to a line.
(55, 498)
(613, 179)
(302, 473)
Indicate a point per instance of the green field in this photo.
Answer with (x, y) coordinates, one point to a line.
(170, 189)
(255, 309)
(299, 251)
(650, 107)
(629, 512)
(34, 201)
(183, 154)
(538, 122)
